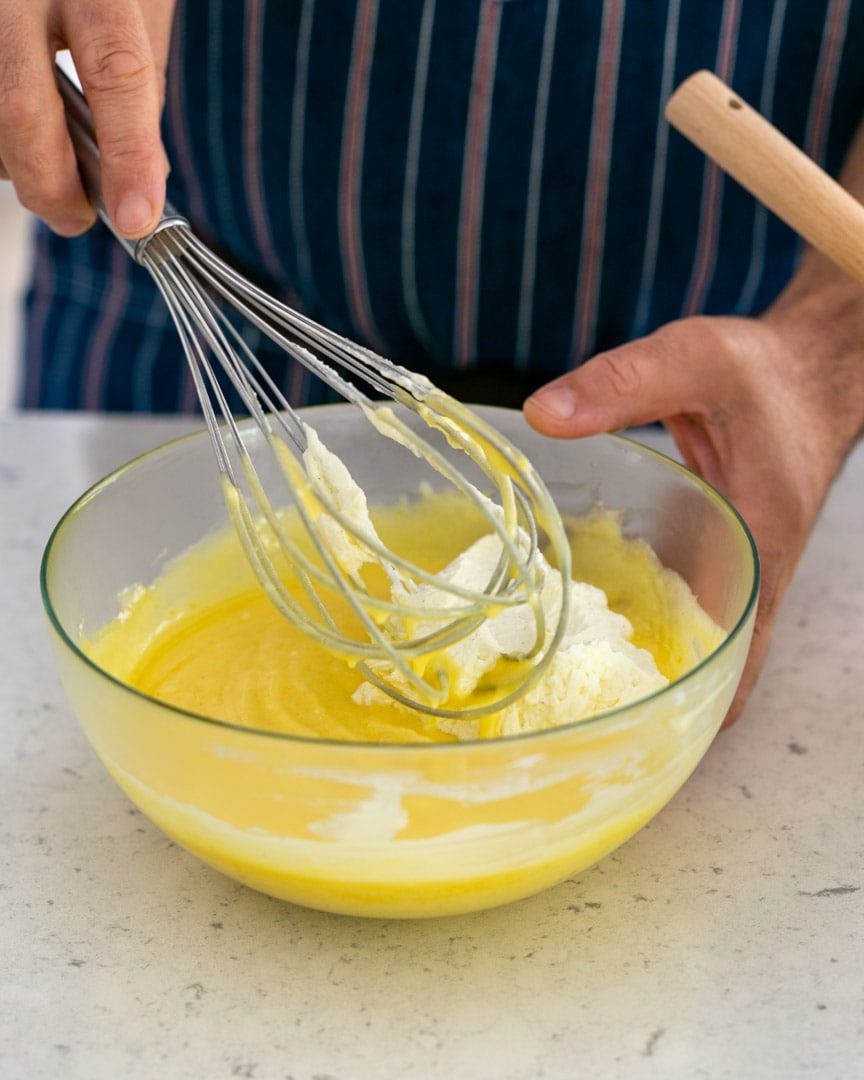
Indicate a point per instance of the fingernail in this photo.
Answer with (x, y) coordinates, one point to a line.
(134, 213)
(560, 402)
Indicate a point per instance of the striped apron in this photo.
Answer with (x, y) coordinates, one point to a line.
(484, 190)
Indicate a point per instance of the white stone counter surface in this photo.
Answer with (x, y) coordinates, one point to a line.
(726, 939)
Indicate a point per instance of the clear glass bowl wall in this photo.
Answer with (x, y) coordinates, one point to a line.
(402, 831)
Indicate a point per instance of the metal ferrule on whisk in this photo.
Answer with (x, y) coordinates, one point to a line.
(79, 120)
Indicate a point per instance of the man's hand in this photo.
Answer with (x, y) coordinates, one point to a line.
(764, 409)
(120, 48)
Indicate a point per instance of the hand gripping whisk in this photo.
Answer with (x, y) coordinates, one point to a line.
(198, 287)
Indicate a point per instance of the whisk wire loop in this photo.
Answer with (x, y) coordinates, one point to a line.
(199, 289)
(196, 284)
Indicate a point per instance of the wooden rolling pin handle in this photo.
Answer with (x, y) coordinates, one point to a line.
(770, 167)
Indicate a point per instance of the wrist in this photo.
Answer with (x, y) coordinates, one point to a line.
(819, 294)
(819, 317)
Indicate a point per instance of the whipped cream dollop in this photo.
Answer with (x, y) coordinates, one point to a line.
(330, 477)
(596, 667)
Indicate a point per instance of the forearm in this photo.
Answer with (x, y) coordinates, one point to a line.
(821, 310)
(815, 269)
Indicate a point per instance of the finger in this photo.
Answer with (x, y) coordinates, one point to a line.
(114, 58)
(755, 660)
(779, 556)
(646, 380)
(35, 146)
(158, 18)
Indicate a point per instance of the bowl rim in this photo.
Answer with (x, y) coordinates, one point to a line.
(369, 748)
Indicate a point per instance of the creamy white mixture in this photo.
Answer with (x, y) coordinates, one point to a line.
(595, 668)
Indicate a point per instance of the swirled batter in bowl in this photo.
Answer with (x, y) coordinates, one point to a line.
(203, 637)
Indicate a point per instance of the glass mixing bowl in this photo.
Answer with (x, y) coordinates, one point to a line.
(397, 830)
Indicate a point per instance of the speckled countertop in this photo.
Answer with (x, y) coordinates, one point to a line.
(725, 940)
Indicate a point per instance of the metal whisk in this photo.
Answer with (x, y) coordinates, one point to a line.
(198, 287)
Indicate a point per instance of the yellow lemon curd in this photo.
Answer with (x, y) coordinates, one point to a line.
(414, 830)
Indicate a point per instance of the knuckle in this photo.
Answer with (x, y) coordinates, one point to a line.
(623, 374)
(13, 69)
(43, 204)
(114, 65)
(129, 150)
(709, 341)
(20, 107)
(43, 194)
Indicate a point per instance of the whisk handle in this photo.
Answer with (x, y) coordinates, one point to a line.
(79, 120)
(749, 148)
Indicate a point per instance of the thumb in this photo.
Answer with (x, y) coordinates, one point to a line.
(114, 58)
(646, 380)
(158, 16)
